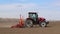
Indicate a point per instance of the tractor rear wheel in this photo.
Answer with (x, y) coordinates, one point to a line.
(43, 24)
(29, 23)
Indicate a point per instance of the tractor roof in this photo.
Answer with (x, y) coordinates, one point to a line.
(32, 12)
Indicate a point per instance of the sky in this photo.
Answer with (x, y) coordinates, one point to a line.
(49, 9)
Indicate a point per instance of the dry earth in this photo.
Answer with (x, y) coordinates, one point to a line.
(53, 28)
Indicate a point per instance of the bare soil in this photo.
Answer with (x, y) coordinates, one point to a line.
(52, 28)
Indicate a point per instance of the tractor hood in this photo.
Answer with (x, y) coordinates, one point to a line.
(41, 19)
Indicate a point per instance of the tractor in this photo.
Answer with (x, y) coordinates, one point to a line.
(33, 19)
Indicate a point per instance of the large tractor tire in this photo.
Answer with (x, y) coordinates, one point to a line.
(29, 23)
(43, 24)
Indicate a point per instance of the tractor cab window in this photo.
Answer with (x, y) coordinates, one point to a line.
(32, 15)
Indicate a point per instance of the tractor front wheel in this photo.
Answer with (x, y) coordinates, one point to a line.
(43, 24)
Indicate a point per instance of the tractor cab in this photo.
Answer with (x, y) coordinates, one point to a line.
(33, 15)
